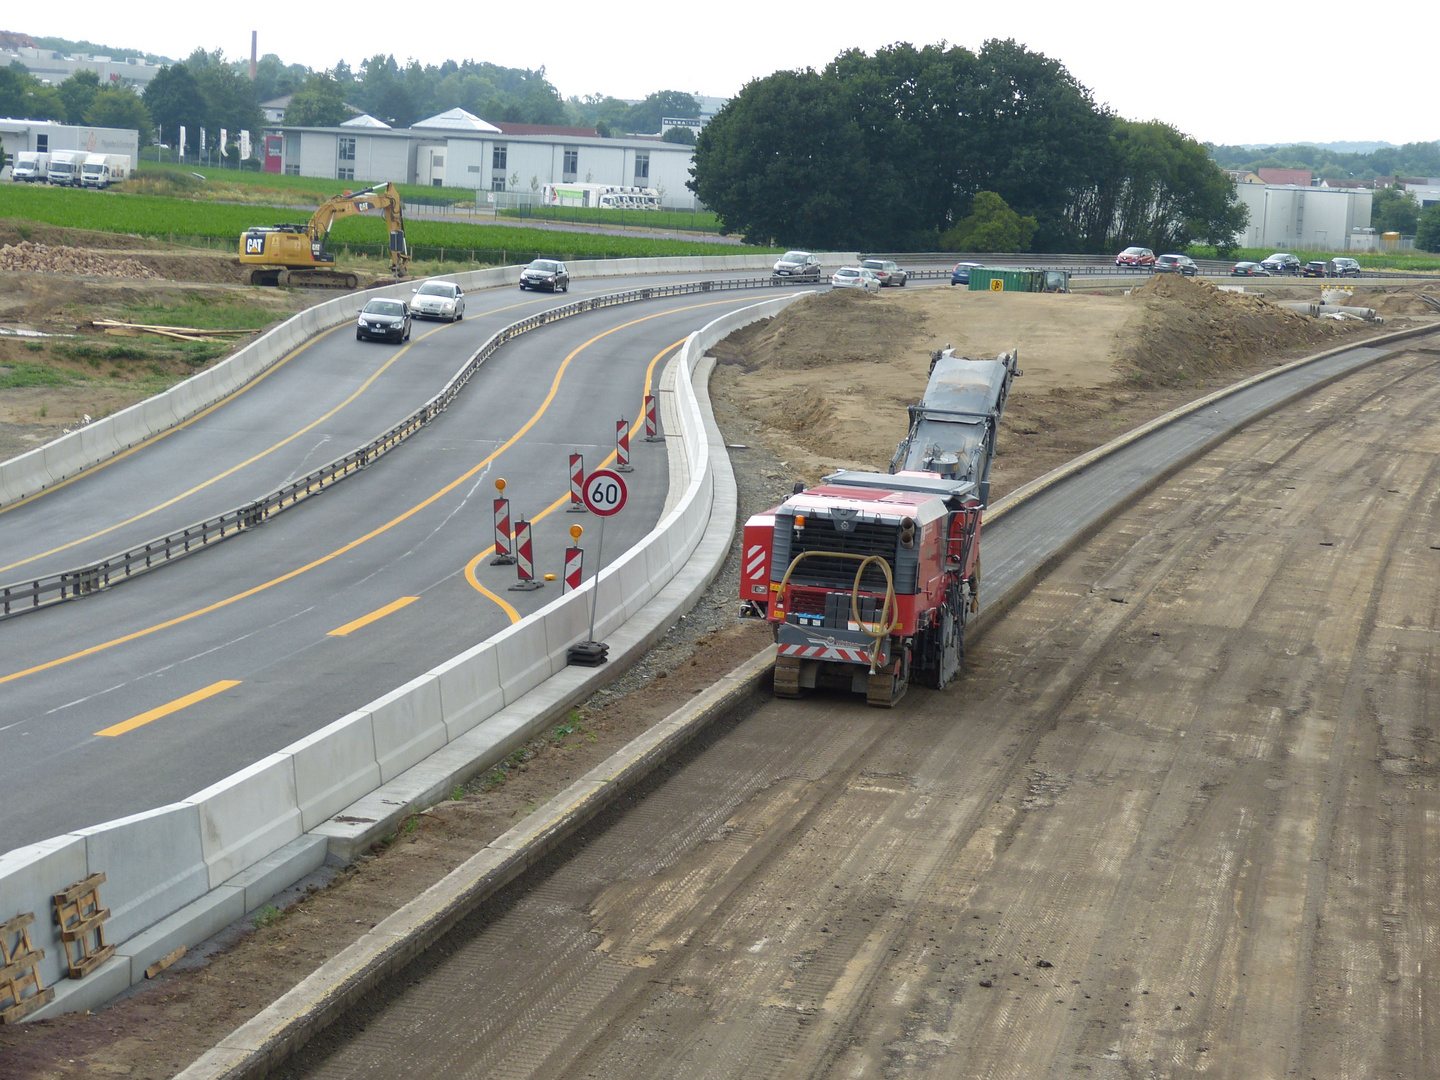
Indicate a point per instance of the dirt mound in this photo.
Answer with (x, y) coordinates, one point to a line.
(42, 259)
(840, 326)
(1189, 329)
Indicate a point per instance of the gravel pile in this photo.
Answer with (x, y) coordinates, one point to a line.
(40, 259)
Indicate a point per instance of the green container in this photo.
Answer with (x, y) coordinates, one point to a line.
(1005, 279)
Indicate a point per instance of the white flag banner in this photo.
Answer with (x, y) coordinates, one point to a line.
(244, 145)
(224, 142)
(181, 146)
(202, 140)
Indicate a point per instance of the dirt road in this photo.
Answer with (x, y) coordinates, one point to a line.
(1177, 819)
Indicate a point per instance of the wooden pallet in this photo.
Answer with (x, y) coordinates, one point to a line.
(79, 915)
(20, 971)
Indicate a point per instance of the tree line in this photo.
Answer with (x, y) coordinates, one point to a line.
(911, 149)
(1412, 159)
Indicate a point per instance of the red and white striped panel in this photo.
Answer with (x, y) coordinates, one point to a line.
(827, 652)
(755, 562)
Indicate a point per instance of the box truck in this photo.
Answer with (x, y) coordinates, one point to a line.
(64, 168)
(101, 170)
(30, 166)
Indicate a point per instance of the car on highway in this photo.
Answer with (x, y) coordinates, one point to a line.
(1341, 266)
(799, 265)
(442, 300)
(886, 271)
(1282, 262)
(855, 277)
(1136, 257)
(1176, 264)
(385, 319)
(546, 274)
(1316, 268)
(961, 274)
(1248, 269)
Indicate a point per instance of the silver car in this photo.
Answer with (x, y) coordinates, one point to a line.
(886, 271)
(438, 300)
(797, 265)
(855, 277)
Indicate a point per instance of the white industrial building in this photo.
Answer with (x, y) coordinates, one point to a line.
(46, 136)
(458, 149)
(53, 67)
(1286, 216)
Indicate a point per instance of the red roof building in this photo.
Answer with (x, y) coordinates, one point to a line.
(1299, 177)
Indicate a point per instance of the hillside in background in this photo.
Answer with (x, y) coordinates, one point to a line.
(1332, 163)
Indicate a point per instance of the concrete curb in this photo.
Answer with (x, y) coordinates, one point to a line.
(264, 1042)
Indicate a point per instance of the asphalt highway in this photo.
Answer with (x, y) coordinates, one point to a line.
(138, 696)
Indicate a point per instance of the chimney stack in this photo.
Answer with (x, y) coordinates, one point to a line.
(254, 41)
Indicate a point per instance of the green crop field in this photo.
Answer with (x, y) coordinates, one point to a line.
(679, 220)
(219, 225)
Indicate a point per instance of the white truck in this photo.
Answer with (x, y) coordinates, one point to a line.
(603, 196)
(101, 170)
(30, 166)
(64, 168)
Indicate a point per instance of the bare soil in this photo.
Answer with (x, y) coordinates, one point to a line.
(1095, 366)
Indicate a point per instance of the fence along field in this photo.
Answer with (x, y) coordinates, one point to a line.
(210, 224)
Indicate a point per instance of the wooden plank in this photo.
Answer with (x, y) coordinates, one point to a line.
(24, 1008)
(80, 888)
(85, 965)
(77, 930)
(18, 923)
(164, 962)
(20, 964)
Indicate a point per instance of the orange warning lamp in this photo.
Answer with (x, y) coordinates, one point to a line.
(500, 485)
(576, 531)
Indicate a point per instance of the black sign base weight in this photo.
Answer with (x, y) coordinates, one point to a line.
(588, 653)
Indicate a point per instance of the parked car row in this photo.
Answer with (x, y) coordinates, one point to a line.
(1284, 263)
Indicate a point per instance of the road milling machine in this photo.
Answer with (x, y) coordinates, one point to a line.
(868, 579)
(296, 254)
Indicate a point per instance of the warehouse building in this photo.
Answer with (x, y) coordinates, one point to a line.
(458, 149)
(1284, 216)
(46, 137)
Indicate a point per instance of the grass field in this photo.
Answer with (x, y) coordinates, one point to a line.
(227, 184)
(679, 220)
(218, 224)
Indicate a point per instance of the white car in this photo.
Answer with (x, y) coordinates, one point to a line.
(855, 277)
(438, 300)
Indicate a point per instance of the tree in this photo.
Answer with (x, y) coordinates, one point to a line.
(682, 135)
(1427, 233)
(318, 103)
(644, 118)
(1393, 209)
(26, 98)
(229, 101)
(173, 100)
(78, 91)
(991, 226)
(120, 107)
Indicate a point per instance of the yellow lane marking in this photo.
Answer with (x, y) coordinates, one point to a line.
(564, 500)
(168, 431)
(234, 468)
(344, 549)
(374, 616)
(174, 707)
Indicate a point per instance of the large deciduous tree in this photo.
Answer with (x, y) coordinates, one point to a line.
(990, 226)
(119, 107)
(1427, 232)
(318, 103)
(173, 100)
(1393, 209)
(26, 98)
(78, 91)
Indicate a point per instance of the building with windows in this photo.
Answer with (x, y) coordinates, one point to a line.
(46, 137)
(458, 149)
(54, 67)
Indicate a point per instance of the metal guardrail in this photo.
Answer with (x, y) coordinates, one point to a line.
(27, 596)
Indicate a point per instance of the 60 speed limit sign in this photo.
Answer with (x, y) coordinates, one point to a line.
(604, 492)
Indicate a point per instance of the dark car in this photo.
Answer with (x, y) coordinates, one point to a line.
(1281, 262)
(886, 271)
(1316, 268)
(546, 274)
(1176, 264)
(1248, 269)
(961, 274)
(1340, 266)
(797, 265)
(1136, 257)
(387, 320)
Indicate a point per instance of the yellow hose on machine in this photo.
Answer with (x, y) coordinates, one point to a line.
(888, 610)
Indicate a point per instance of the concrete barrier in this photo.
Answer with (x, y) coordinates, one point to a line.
(333, 767)
(152, 861)
(247, 815)
(408, 724)
(470, 688)
(29, 878)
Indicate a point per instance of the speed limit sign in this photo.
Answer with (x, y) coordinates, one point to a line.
(604, 492)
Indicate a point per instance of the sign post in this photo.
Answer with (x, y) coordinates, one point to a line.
(604, 493)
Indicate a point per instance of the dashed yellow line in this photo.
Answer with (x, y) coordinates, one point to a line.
(174, 707)
(374, 616)
(379, 530)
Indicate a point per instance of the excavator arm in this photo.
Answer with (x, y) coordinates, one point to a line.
(382, 197)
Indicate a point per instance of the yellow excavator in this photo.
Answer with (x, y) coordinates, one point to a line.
(296, 254)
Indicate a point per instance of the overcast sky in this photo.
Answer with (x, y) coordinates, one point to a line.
(1236, 73)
